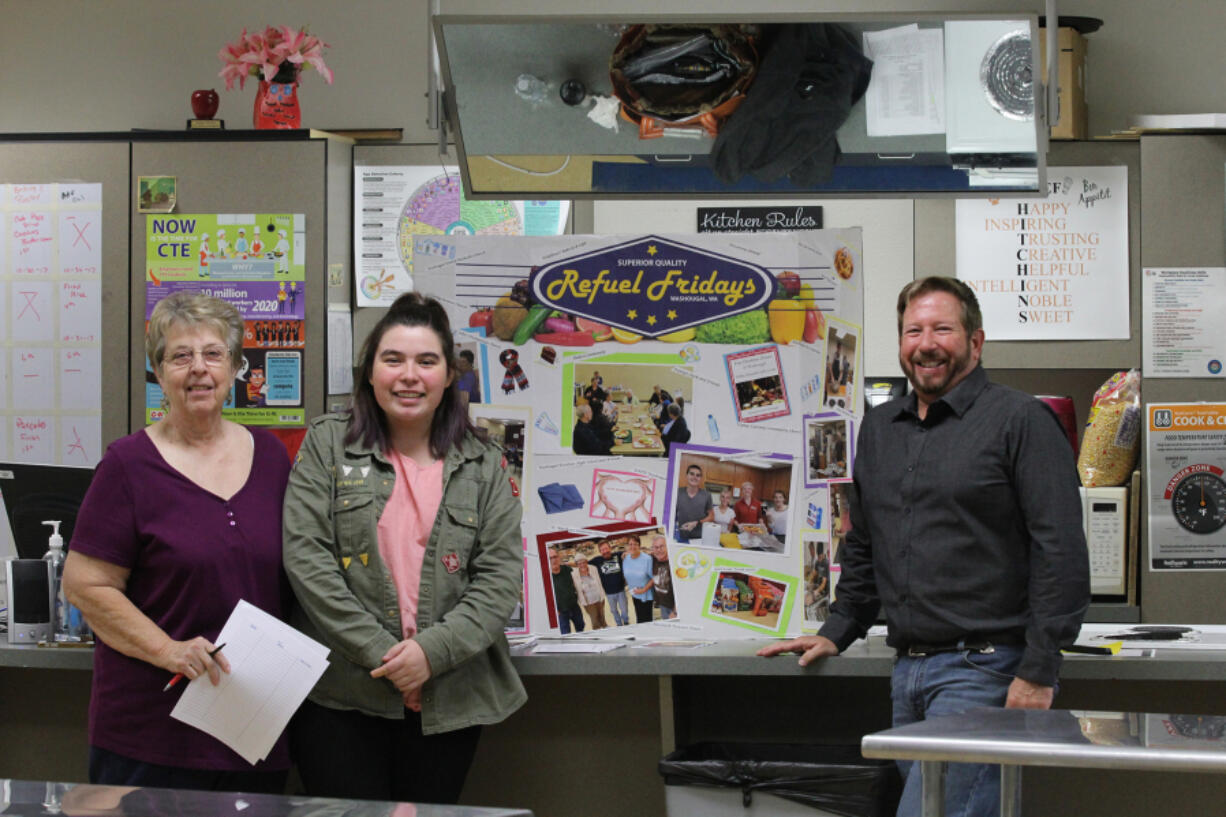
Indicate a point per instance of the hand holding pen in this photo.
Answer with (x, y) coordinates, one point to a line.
(198, 658)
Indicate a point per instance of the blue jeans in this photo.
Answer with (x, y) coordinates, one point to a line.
(572, 617)
(665, 612)
(620, 608)
(946, 684)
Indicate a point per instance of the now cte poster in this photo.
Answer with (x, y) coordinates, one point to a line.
(256, 262)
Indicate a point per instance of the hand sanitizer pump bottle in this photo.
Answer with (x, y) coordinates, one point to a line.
(69, 623)
(55, 555)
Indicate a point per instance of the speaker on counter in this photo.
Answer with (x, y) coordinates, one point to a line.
(31, 600)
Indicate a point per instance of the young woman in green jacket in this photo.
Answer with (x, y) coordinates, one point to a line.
(402, 544)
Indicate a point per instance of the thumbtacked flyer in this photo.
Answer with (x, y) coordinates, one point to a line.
(1186, 452)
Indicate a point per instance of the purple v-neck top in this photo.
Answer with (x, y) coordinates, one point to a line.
(192, 556)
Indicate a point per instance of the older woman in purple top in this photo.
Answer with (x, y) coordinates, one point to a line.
(181, 521)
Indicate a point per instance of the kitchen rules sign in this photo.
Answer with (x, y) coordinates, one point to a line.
(1054, 268)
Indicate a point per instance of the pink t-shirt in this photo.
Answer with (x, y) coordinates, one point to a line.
(404, 529)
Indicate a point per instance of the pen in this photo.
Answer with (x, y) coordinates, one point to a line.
(179, 676)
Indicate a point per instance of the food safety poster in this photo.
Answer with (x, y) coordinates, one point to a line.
(667, 380)
(1182, 310)
(255, 261)
(400, 211)
(1186, 455)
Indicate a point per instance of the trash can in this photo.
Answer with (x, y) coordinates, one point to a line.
(793, 780)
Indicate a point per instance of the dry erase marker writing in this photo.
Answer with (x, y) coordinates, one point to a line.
(179, 676)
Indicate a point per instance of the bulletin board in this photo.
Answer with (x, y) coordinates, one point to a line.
(737, 331)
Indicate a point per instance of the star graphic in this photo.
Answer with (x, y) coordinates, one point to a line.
(651, 320)
(632, 314)
(672, 314)
(651, 249)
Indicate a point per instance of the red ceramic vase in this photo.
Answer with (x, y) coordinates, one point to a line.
(204, 103)
(276, 102)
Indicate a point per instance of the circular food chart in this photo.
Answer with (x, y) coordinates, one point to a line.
(438, 207)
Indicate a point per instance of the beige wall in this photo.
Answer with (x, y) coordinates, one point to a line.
(77, 65)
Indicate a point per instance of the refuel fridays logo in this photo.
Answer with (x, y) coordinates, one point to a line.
(652, 286)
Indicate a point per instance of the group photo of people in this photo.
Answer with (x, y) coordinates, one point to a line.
(739, 503)
(629, 410)
(611, 582)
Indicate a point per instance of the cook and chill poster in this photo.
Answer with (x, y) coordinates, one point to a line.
(740, 330)
(1186, 456)
(255, 261)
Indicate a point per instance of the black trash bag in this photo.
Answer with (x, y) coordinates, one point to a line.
(834, 778)
(810, 77)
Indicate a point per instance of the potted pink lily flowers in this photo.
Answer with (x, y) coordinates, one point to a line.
(277, 56)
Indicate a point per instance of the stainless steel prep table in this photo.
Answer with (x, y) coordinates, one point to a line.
(36, 797)
(1031, 737)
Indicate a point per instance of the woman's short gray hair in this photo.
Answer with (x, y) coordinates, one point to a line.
(194, 309)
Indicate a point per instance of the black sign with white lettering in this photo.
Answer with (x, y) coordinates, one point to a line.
(758, 219)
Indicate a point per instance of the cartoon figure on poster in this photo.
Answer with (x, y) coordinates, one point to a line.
(281, 253)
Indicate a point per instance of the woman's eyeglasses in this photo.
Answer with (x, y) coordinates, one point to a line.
(211, 355)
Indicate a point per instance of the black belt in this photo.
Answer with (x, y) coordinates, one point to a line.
(976, 645)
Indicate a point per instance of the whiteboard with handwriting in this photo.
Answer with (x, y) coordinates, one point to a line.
(51, 323)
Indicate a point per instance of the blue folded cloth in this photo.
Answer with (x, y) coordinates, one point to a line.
(558, 497)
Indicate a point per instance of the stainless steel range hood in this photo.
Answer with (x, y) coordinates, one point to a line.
(528, 143)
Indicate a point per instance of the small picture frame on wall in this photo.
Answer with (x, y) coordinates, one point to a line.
(156, 194)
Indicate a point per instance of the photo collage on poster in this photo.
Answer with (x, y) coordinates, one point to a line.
(665, 385)
(256, 263)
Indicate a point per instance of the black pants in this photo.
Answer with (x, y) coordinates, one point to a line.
(349, 754)
(107, 768)
(642, 610)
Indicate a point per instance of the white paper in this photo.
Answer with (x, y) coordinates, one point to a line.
(80, 376)
(1182, 310)
(907, 91)
(272, 668)
(340, 349)
(80, 439)
(1053, 268)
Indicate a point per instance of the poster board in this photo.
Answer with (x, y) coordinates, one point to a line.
(51, 325)
(255, 262)
(1052, 268)
(688, 329)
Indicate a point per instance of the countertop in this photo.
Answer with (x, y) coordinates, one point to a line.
(736, 657)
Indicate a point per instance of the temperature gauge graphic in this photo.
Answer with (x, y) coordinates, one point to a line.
(1198, 499)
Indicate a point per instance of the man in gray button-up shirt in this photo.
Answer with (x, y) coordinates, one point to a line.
(966, 529)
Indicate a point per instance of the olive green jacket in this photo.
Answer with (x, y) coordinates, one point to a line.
(471, 579)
